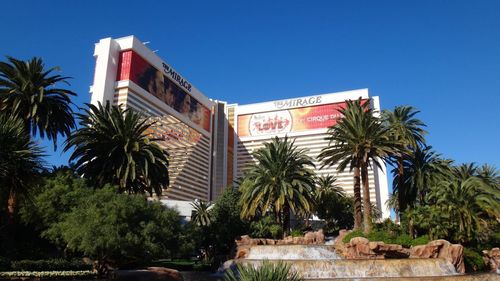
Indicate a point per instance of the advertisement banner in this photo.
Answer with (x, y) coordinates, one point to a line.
(290, 120)
(133, 67)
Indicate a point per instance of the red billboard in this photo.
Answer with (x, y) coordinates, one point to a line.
(135, 68)
(290, 120)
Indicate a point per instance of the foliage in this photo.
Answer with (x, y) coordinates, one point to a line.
(358, 139)
(28, 91)
(201, 215)
(48, 274)
(473, 260)
(280, 182)
(336, 210)
(265, 272)
(327, 184)
(116, 229)
(115, 146)
(389, 238)
(296, 233)
(406, 131)
(468, 205)
(266, 227)
(50, 265)
(20, 164)
(215, 242)
(57, 194)
(422, 169)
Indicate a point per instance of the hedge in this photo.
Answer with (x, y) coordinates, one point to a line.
(48, 274)
(50, 265)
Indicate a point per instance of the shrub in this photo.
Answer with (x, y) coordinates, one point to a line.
(422, 240)
(296, 233)
(265, 272)
(266, 227)
(352, 234)
(50, 265)
(118, 228)
(388, 237)
(473, 260)
(380, 236)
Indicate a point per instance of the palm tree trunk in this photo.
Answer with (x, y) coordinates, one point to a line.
(367, 205)
(10, 226)
(401, 201)
(358, 215)
(286, 220)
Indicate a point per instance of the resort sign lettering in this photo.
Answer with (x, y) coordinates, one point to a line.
(175, 76)
(297, 102)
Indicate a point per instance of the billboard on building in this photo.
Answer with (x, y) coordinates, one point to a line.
(136, 69)
(289, 120)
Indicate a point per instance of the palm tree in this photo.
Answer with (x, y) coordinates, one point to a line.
(201, 214)
(422, 169)
(408, 132)
(327, 184)
(468, 205)
(28, 91)
(113, 146)
(280, 181)
(489, 175)
(358, 139)
(20, 164)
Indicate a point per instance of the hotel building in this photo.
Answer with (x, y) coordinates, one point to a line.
(210, 142)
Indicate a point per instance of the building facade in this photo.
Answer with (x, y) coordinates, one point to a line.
(210, 143)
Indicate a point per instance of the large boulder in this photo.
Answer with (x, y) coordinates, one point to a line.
(362, 248)
(492, 259)
(149, 274)
(453, 253)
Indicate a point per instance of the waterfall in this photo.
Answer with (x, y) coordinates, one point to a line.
(292, 252)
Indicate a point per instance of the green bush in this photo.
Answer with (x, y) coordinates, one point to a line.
(473, 260)
(265, 272)
(352, 234)
(380, 236)
(118, 229)
(388, 237)
(296, 233)
(50, 265)
(421, 240)
(266, 227)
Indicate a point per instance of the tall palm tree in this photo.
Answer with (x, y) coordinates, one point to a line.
(422, 169)
(408, 132)
(201, 214)
(358, 139)
(20, 164)
(280, 181)
(113, 146)
(29, 91)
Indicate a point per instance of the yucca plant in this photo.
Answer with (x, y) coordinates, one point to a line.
(266, 272)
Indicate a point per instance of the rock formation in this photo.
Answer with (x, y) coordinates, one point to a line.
(453, 253)
(492, 259)
(362, 248)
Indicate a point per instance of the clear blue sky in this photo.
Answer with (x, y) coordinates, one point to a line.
(442, 57)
